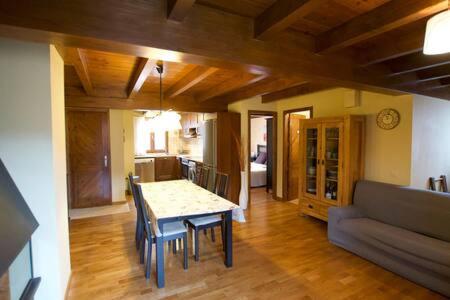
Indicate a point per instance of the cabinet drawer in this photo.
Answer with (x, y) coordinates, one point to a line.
(309, 206)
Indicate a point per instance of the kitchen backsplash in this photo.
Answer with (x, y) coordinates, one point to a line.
(192, 146)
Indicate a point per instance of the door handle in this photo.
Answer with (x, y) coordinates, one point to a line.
(106, 161)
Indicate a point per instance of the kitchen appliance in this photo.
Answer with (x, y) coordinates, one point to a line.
(145, 169)
(209, 132)
(192, 170)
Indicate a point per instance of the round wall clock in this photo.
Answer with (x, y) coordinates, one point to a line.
(388, 118)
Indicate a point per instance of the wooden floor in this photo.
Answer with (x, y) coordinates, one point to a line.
(277, 255)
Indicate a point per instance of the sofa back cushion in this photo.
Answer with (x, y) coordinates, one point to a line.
(421, 211)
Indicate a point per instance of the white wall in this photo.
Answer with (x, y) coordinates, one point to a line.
(258, 128)
(32, 135)
(118, 183)
(430, 140)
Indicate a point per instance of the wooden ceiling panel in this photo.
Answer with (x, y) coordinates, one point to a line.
(172, 73)
(334, 13)
(211, 81)
(109, 71)
(71, 77)
(245, 8)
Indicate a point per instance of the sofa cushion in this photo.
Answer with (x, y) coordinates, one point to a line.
(421, 211)
(428, 252)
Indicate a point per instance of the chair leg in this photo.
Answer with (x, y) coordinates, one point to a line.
(222, 231)
(142, 251)
(149, 259)
(213, 236)
(185, 250)
(136, 235)
(196, 246)
(174, 246)
(204, 231)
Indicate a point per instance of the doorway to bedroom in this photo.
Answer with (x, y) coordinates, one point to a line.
(262, 141)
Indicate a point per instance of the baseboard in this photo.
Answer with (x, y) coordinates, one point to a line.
(66, 294)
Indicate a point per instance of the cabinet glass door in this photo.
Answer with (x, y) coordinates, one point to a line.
(332, 152)
(311, 164)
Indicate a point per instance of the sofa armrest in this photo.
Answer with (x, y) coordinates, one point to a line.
(336, 214)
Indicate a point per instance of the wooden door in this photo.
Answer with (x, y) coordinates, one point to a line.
(310, 160)
(331, 162)
(293, 155)
(88, 158)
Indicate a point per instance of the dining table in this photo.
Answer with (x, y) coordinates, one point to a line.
(178, 200)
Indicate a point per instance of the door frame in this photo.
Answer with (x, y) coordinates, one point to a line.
(274, 115)
(107, 140)
(286, 120)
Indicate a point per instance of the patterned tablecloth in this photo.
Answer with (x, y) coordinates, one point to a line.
(178, 198)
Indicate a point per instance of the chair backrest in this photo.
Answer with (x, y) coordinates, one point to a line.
(143, 206)
(198, 174)
(204, 177)
(442, 181)
(133, 190)
(221, 184)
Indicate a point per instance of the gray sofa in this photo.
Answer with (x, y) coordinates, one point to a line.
(404, 230)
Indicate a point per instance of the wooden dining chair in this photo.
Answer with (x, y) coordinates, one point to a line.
(202, 176)
(442, 181)
(204, 223)
(170, 232)
(139, 223)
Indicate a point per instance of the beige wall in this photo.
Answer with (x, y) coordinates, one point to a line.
(388, 153)
(32, 135)
(430, 141)
(258, 128)
(128, 142)
(118, 183)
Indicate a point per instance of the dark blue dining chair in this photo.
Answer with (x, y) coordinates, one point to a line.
(204, 223)
(170, 232)
(139, 224)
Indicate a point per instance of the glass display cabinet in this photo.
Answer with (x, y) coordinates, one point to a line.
(332, 153)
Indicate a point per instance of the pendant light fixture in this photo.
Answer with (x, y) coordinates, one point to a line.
(437, 34)
(164, 120)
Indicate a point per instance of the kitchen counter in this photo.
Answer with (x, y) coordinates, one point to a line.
(198, 159)
(153, 155)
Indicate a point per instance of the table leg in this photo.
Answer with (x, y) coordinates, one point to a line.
(160, 261)
(228, 240)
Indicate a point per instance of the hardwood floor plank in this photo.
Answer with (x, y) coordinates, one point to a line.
(277, 254)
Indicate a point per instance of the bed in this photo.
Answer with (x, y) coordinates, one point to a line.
(258, 170)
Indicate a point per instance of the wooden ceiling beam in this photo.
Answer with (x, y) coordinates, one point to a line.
(416, 62)
(194, 77)
(236, 82)
(178, 9)
(141, 72)
(441, 83)
(384, 18)
(411, 42)
(281, 15)
(264, 86)
(298, 90)
(211, 37)
(77, 58)
(143, 101)
(434, 73)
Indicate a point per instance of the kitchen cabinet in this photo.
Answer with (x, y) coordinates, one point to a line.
(166, 168)
(332, 160)
(189, 120)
